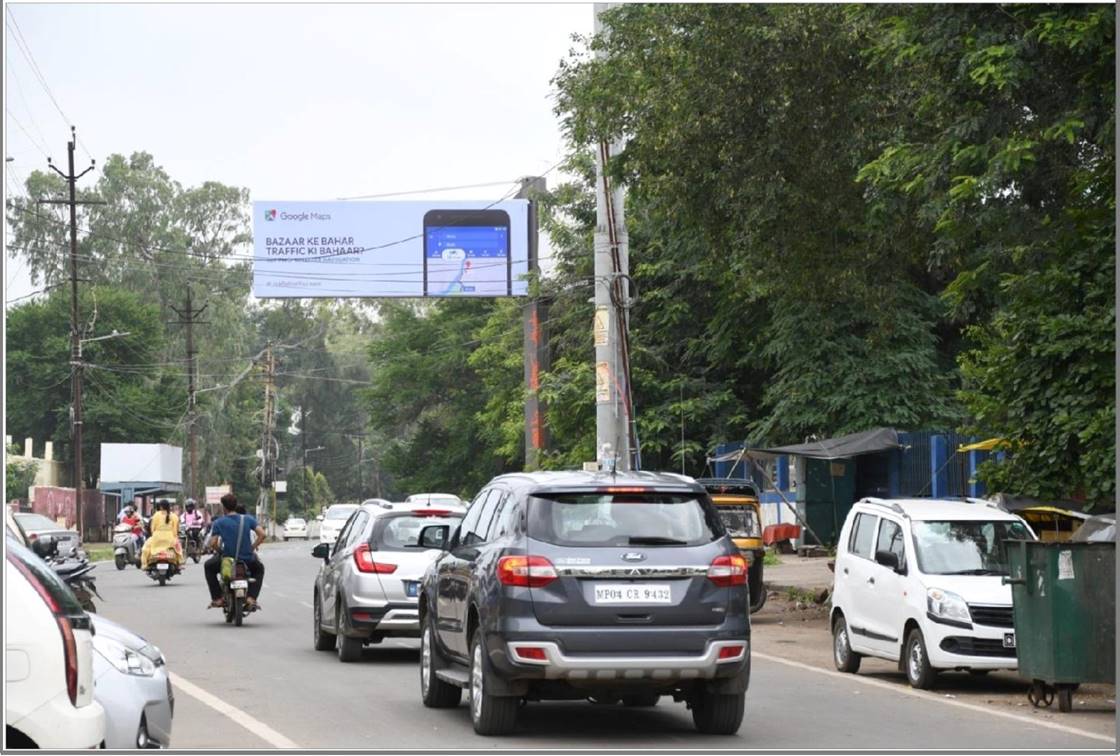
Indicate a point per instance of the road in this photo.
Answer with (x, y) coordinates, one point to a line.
(288, 695)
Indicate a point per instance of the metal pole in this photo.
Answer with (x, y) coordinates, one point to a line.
(610, 404)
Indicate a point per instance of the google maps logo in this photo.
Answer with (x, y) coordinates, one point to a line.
(270, 215)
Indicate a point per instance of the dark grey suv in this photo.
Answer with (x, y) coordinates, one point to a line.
(573, 585)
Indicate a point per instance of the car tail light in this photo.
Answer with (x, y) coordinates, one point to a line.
(729, 653)
(727, 571)
(526, 571)
(69, 644)
(363, 558)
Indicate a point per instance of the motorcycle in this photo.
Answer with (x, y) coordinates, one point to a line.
(162, 566)
(74, 569)
(192, 545)
(125, 551)
(235, 581)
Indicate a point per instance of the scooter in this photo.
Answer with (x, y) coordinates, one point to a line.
(125, 551)
(162, 566)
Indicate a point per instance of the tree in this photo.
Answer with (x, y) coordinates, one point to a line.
(19, 474)
(120, 404)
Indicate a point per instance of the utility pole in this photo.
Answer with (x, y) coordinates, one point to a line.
(75, 336)
(614, 421)
(535, 317)
(266, 433)
(187, 318)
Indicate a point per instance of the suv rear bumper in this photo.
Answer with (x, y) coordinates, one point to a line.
(558, 665)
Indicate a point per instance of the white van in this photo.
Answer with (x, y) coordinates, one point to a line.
(919, 581)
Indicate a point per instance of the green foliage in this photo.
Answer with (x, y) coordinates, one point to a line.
(308, 494)
(19, 474)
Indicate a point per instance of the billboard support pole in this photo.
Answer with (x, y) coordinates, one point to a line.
(534, 318)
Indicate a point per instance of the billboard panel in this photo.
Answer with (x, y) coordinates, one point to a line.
(152, 463)
(390, 249)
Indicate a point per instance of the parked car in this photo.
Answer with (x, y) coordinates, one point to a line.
(440, 500)
(132, 684)
(35, 526)
(918, 581)
(295, 527)
(333, 520)
(48, 665)
(568, 585)
(368, 586)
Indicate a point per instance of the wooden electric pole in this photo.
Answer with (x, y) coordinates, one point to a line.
(75, 335)
(187, 318)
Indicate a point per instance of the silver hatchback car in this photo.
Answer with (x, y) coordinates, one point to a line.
(368, 585)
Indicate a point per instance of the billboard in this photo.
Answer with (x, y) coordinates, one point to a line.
(390, 249)
(150, 463)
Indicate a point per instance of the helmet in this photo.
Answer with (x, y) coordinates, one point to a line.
(190, 505)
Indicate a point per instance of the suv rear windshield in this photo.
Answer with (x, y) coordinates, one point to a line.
(965, 547)
(403, 533)
(613, 519)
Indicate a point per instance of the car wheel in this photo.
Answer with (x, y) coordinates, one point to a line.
(719, 713)
(324, 641)
(490, 715)
(641, 700)
(349, 649)
(918, 670)
(434, 692)
(843, 656)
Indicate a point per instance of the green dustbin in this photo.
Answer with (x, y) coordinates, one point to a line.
(1065, 616)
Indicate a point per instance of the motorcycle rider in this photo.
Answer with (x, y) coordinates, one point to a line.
(224, 531)
(192, 518)
(164, 527)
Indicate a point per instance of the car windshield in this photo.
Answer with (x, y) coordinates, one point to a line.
(740, 520)
(37, 522)
(648, 519)
(403, 533)
(965, 547)
(340, 512)
(296, 523)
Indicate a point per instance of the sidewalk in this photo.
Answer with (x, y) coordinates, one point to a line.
(803, 573)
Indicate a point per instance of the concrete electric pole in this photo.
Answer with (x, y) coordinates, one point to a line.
(613, 411)
(75, 335)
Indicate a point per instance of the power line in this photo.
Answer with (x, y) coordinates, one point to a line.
(427, 191)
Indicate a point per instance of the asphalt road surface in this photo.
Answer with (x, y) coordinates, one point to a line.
(264, 686)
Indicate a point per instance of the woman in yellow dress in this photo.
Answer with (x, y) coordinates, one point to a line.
(164, 528)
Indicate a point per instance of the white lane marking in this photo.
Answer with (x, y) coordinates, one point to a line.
(933, 697)
(258, 728)
(307, 605)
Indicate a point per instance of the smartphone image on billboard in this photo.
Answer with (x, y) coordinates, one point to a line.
(467, 253)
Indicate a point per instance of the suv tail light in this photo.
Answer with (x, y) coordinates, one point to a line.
(363, 559)
(727, 571)
(526, 571)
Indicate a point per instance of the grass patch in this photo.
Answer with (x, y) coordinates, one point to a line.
(770, 559)
(802, 595)
(100, 553)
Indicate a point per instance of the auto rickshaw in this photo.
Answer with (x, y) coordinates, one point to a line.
(737, 504)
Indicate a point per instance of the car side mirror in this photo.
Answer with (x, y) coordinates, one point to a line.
(435, 537)
(888, 559)
(322, 551)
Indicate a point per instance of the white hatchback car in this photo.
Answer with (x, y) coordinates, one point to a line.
(48, 660)
(919, 581)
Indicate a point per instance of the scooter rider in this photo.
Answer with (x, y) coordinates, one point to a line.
(224, 530)
(133, 521)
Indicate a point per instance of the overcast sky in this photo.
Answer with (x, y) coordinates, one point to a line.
(297, 102)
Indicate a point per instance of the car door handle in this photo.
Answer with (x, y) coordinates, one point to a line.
(871, 580)
(845, 570)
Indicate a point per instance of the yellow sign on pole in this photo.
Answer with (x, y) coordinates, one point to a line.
(602, 326)
(602, 382)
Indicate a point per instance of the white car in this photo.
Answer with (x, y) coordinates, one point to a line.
(131, 683)
(333, 520)
(437, 501)
(919, 581)
(48, 660)
(295, 527)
